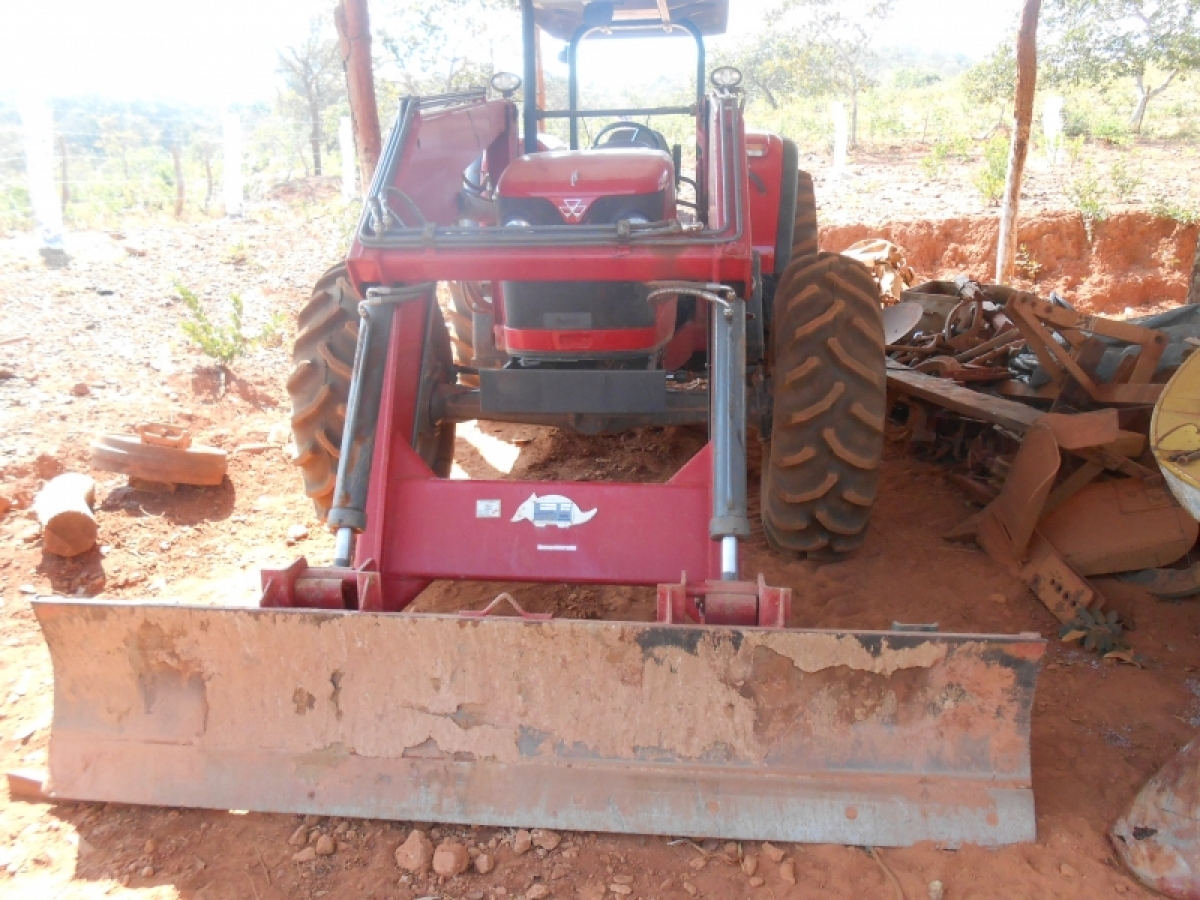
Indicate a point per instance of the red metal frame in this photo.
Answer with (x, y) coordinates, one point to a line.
(420, 527)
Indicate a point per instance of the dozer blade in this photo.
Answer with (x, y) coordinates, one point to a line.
(880, 738)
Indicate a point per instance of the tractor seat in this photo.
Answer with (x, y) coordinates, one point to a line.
(626, 135)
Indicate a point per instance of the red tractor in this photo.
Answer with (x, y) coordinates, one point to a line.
(599, 289)
(590, 294)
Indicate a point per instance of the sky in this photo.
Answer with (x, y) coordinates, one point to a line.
(221, 52)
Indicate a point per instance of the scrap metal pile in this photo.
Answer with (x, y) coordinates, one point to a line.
(1043, 415)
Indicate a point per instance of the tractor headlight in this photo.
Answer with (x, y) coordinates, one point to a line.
(506, 83)
(517, 223)
(725, 77)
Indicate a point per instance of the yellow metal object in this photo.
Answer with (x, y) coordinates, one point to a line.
(1175, 434)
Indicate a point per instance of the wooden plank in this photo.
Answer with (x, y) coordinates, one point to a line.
(952, 396)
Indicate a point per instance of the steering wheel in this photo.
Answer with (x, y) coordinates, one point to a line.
(652, 139)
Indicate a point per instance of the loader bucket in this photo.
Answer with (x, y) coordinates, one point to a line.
(869, 738)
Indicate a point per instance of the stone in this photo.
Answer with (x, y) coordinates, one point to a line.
(622, 890)
(537, 892)
(591, 892)
(81, 389)
(937, 890)
(484, 863)
(342, 827)
(750, 866)
(698, 863)
(308, 854)
(622, 879)
(756, 882)
(326, 845)
(450, 859)
(280, 433)
(1069, 870)
(416, 853)
(295, 534)
(149, 846)
(547, 840)
(299, 837)
(6, 503)
(998, 598)
(148, 872)
(787, 871)
(522, 842)
(47, 465)
(690, 888)
(771, 852)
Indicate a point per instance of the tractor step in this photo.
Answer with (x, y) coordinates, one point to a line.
(868, 738)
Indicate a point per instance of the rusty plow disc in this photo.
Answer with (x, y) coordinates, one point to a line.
(869, 738)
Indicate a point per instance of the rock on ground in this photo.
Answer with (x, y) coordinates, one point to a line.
(450, 859)
(416, 853)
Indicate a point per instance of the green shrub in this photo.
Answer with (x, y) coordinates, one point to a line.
(1124, 181)
(1087, 196)
(1166, 208)
(223, 343)
(990, 179)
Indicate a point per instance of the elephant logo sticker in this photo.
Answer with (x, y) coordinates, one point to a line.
(552, 509)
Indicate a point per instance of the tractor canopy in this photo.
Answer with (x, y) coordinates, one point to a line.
(563, 18)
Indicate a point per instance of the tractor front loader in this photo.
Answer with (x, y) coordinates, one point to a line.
(599, 289)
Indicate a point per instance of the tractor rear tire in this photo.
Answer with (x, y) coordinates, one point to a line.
(319, 386)
(821, 466)
(804, 234)
(461, 320)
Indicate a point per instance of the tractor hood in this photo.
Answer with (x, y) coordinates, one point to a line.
(587, 174)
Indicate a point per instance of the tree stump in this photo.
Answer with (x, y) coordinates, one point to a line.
(64, 509)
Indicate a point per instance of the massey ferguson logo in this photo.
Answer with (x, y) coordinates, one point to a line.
(573, 209)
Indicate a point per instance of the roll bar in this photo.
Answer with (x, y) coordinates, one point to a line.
(533, 115)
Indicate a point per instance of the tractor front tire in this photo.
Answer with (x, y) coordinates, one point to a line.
(804, 232)
(821, 470)
(319, 386)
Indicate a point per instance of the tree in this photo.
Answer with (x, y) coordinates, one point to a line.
(993, 81)
(777, 64)
(837, 39)
(1096, 41)
(312, 74)
(436, 48)
(1026, 87)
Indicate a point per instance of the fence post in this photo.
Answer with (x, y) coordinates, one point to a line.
(231, 177)
(349, 164)
(841, 137)
(38, 128)
(1052, 126)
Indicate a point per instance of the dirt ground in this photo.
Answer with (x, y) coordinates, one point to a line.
(97, 348)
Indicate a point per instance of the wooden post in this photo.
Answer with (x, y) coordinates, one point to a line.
(231, 174)
(1006, 251)
(354, 36)
(177, 158)
(64, 509)
(66, 174)
(346, 145)
(1194, 287)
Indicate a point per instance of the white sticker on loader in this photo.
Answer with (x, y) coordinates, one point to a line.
(487, 509)
(552, 509)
